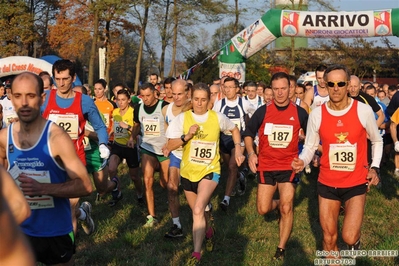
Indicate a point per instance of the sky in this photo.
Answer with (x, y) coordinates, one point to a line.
(258, 7)
(340, 5)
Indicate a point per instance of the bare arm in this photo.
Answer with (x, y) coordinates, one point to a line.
(252, 157)
(133, 137)
(3, 147)
(14, 248)
(78, 184)
(308, 98)
(16, 201)
(381, 118)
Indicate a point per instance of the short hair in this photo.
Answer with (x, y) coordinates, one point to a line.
(154, 74)
(102, 82)
(280, 75)
(261, 84)
(148, 85)
(267, 88)
(39, 80)
(392, 88)
(293, 79)
(337, 67)
(201, 87)
(46, 75)
(168, 80)
(371, 87)
(321, 68)
(237, 84)
(301, 86)
(251, 83)
(382, 92)
(64, 64)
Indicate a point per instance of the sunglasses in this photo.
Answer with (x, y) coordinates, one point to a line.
(340, 84)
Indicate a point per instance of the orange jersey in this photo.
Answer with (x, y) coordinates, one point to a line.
(106, 108)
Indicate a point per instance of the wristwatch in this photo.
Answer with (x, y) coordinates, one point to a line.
(182, 138)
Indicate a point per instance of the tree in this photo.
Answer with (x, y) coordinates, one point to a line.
(17, 28)
(143, 22)
(204, 72)
(360, 56)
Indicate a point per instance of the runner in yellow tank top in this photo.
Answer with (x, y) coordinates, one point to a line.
(123, 125)
(199, 131)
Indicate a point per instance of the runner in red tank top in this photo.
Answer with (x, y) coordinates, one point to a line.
(342, 124)
(277, 124)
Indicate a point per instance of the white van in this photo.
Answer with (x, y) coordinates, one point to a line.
(308, 77)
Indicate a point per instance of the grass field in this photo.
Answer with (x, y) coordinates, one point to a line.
(243, 236)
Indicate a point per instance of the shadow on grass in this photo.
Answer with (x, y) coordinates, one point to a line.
(390, 184)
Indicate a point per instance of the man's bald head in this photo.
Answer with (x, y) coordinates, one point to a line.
(30, 76)
(180, 83)
(354, 86)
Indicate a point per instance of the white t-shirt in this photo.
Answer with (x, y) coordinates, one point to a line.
(8, 111)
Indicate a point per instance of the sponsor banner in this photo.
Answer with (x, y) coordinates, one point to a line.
(14, 65)
(336, 24)
(253, 38)
(236, 71)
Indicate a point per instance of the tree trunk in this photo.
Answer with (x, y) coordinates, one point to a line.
(172, 71)
(235, 28)
(107, 52)
(164, 41)
(142, 38)
(93, 50)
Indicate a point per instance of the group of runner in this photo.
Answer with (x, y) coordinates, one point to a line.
(185, 136)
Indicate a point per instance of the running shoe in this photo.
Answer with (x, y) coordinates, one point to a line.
(308, 170)
(174, 232)
(151, 222)
(88, 223)
(98, 198)
(241, 184)
(193, 261)
(116, 193)
(279, 255)
(224, 205)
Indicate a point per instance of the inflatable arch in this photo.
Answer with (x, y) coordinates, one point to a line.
(13, 65)
(293, 23)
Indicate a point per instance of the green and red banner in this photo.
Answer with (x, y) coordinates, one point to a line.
(293, 23)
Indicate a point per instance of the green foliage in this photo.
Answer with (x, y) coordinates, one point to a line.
(17, 29)
(256, 67)
(207, 71)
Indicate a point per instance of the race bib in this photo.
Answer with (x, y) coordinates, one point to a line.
(35, 202)
(70, 123)
(343, 157)
(280, 136)
(9, 118)
(86, 144)
(237, 122)
(120, 132)
(202, 152)
(152, 127)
